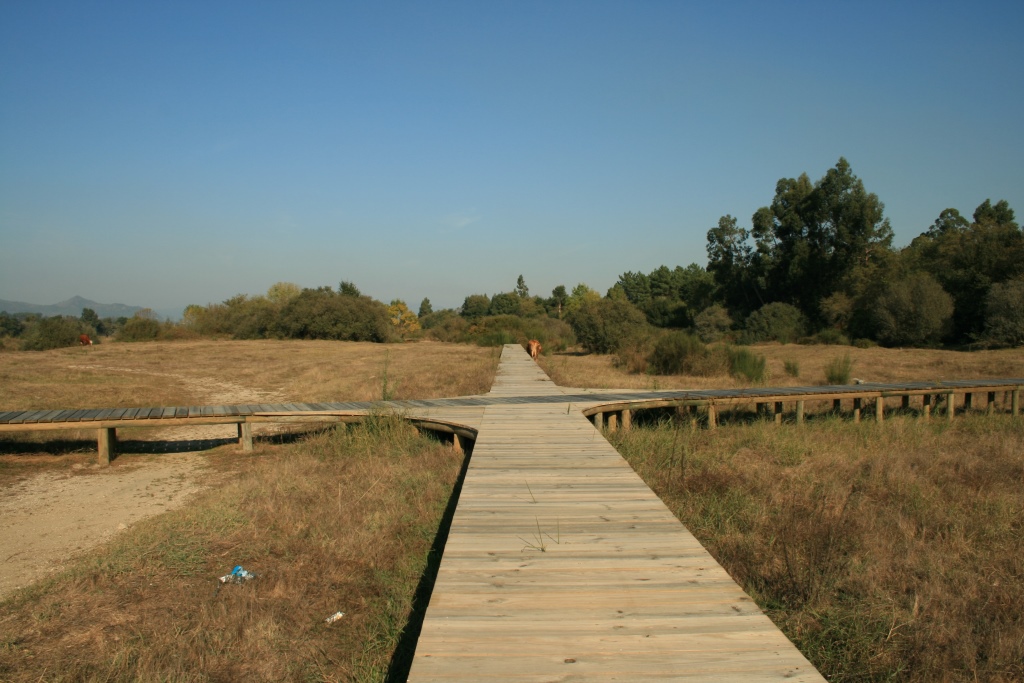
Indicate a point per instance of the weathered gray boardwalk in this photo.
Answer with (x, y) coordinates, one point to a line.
(562, 565)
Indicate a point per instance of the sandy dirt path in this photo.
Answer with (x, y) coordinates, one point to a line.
(45, 520)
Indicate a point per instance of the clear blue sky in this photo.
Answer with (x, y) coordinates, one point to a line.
(161, 154)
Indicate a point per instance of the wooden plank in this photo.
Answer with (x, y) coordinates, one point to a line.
(561, 564)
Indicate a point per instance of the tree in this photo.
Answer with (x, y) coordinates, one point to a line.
(967, 260)
(10, 326)
(282, 292)
(402, 318)
(425, 307)
(636, 287)
(776, 322)
(52, 333)
(558, 298)
(347, 288)
(522, 291)
(914, 311)
(603, 325)
(505, 303)
(92, 321)
(323, 314)
(731, 263)
(1004, 313)
(581, 294)
(813, 237)
(712, 323)
(475, 306)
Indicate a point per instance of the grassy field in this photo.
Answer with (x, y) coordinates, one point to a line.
(339, 520)
(887, 553)
(871, 365)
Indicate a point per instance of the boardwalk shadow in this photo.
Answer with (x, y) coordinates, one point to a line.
(401, 661)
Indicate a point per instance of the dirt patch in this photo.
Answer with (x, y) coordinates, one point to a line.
(46, 519)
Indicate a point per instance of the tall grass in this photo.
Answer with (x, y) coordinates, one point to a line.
(838, 370)
(885, 554)
(745, 364)
(341, 521)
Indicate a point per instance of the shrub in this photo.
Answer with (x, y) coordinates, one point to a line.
(322, 314)
(1004, 313)
(776, 322)
(602, 326)
(792, 368)
(634, 354)
(745, 364)
(830, 336)
(10, 326)
(677, 353)
(139, 329)
(914, 311)
(52, 333)
(712, 323)
(865, 343)
(445, 325)
(838, 370)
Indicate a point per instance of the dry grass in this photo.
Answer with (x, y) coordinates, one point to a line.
(343, 520)
(200, 372)
(871, 365)
(338, 520)
(888, 553)
(217, 372)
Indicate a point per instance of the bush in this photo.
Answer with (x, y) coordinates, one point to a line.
(322, 314)
(602, 326)
(139, 329)
(712, 323)
(914, 311)
(446, 326)
(745, 364)
(838, 370)
(1004, 313)
(775, 322)
(10, 326)
(792, 368)
(677, 353)
(52, 333)
(634, 354)
(830, 336)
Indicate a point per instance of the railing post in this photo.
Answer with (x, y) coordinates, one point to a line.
(778, 412)
(950, 405)
(106, 445)
(990, 406)
(245, 436)
(926, 406)
(712, 416)
(880, 409)
(457, 444)
(627, 419)
(799, 412)
(613, 422)
(599, 421)
(856, 409)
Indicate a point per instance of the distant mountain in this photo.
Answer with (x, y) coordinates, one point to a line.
(72, 306)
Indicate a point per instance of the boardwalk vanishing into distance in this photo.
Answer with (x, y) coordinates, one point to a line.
(560, 563)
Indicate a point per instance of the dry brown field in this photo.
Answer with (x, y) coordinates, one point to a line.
(877, 364)
(886, 554)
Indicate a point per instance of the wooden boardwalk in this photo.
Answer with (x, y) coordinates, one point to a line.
(562, 565)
